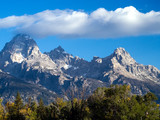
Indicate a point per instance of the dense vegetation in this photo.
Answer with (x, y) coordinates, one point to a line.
(114, 103)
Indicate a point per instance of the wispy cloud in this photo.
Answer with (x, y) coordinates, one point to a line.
(99, 24)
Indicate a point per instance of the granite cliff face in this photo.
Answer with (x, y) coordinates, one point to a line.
(59, 71)
(21, 57)
(120, 63)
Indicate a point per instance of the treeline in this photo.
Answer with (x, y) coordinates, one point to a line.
(114, 103)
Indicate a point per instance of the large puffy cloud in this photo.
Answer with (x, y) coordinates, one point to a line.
(99, 24)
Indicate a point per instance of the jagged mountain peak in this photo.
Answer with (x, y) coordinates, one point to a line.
(123, 57)
(58, 53)
(120, 51)
(60, 57)
(59, 49)
(58, 70)
(19, 48)
(20, 39)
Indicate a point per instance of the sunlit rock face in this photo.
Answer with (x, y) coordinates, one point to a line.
(22, 58)
(58, 71)
(19, 48)
(118, 68)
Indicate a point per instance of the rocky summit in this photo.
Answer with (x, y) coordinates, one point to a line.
(34, 74)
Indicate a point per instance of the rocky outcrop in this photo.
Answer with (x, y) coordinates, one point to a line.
(58, 71)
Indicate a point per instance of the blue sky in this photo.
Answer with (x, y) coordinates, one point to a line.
(144, 48)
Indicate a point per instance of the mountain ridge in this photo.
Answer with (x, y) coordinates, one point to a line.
(58, 70)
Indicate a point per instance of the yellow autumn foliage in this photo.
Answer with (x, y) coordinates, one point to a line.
(128, 98)
(23, 111)
(157, 105)
(128, 87)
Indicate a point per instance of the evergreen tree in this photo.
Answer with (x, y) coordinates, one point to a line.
(18, 102)
(14, 109)
(1, 110)
(114, 103)
(41, 111)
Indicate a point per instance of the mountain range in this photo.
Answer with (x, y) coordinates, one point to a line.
(56, 73)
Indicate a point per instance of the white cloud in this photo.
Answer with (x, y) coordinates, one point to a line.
(99, 24)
